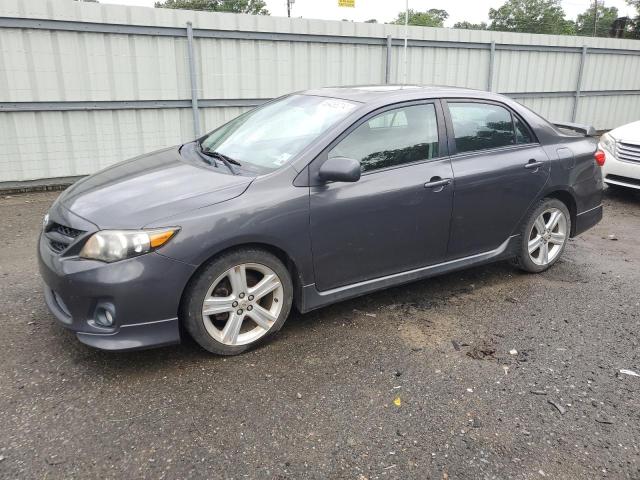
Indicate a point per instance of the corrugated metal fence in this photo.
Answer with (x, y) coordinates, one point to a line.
(83, 86)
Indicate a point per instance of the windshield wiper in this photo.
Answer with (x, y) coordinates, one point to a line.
(207, 158)
(226, 160)
(221, 156)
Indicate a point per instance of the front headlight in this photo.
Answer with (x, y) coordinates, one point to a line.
(608, 142)
(114, 245)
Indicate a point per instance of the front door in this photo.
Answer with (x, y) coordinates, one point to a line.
(499, 170)
(396, 217)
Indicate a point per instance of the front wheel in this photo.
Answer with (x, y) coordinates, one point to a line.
(544, 236)
(237, 301)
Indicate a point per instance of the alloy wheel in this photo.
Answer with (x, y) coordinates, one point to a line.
(242, 304)
(547, 236)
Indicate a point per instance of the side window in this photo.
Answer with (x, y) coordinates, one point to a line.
(523, 135)
(479, 126)
(403, 135)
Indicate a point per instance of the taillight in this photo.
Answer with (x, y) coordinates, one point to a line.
(600, 157)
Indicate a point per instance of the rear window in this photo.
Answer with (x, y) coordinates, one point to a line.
(483, 126)
(538, 117)
(523, 135)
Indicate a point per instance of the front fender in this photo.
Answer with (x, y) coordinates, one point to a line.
(267, 213)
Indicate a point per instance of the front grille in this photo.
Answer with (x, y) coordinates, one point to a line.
(628, 152)
(627, 180)
(60, 237)
(66, 231)
(57, 246)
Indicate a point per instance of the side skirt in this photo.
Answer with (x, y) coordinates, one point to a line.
(313, 298)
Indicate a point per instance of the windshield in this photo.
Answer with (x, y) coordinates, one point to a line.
(271, 135)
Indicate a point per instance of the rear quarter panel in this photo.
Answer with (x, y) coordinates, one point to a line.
(573, 167)
(574, 170)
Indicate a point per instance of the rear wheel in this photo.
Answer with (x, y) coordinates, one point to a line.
(237, 301)
(544, 236)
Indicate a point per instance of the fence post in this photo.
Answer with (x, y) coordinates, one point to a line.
(387, 68)
(583, 59)
(194, 81)
(492, 61)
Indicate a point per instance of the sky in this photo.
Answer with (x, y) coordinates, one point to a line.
(386, 10)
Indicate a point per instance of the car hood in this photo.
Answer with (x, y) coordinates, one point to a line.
(629, 133)
(148, 188)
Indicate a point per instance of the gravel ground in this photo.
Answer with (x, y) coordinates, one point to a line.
(421, 381)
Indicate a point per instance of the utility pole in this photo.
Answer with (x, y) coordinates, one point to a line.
(406, 35)
(289, 2)
(595, 17)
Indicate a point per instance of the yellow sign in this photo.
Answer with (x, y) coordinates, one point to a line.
(347, 3)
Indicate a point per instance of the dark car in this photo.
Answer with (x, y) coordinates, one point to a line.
(310, 199)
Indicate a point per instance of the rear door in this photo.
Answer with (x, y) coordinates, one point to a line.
(499, 169)
(388, 221)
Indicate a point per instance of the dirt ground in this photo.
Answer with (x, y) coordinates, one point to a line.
(414, 382)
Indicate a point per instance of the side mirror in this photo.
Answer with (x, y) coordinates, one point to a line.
(340, 169)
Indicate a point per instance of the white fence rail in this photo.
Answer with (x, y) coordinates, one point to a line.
(83, 86)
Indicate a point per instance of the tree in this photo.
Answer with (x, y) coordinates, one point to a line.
(606, 17)
(471, 26)
(634, 27)
(255, 7)
(372, 20)
(531, 16)
(431, 18)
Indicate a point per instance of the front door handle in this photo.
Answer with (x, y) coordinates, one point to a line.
(533, 164)
(437, 183)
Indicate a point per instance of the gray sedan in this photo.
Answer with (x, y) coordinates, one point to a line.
(312, 198)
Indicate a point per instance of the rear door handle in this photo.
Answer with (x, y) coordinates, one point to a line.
(436, 182)
(533, 164)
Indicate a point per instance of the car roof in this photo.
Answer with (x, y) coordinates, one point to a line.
(395, 93)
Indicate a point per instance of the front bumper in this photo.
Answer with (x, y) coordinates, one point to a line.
(142, 293)
(619, 172)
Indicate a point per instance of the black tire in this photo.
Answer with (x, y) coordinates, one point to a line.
(194, 296)
(523, 259)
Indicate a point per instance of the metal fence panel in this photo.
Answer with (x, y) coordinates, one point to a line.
(84, 85)
(555, 108)
(442, 66)
(518, 71)
(61, 144)
(610, 110)
(44, 65)
(612, 72)
(267, 69)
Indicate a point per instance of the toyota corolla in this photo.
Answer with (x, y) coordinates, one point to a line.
(310, 199)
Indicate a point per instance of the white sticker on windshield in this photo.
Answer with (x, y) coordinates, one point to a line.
(337, 104)
(282, 159)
